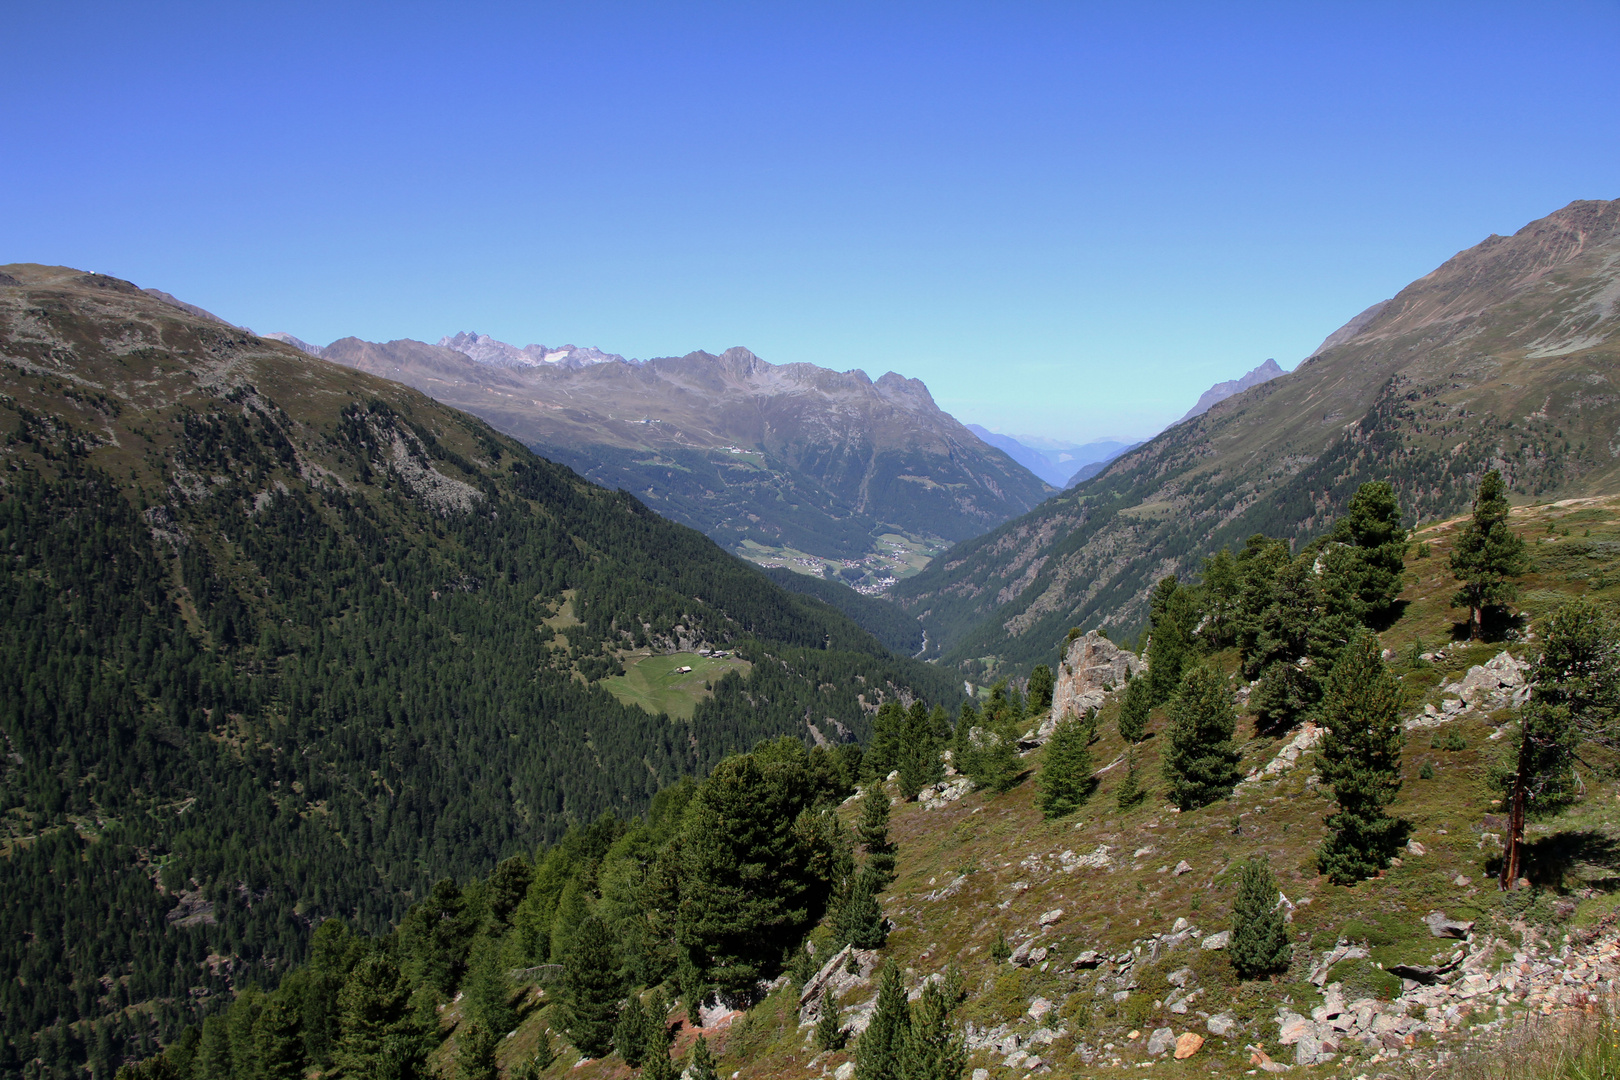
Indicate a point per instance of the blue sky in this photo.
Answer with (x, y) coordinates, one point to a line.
(1068, 219)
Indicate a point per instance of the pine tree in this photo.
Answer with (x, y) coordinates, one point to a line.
(700, 1064)
(1171, 647)
(591, 988)
(830, 1034)
(379, 1033)
(475, 1052)
(486, 992)
(1041, 684)
(1134, 707)
(1065, 782)
(1259, 934)
(214, 1050)
(1200, 760)
(1372, 525)
(1131, 792)
(1488, 556)
(888, 734)
(278, 1034)
(1310, 618)
(860, 920)
(879, 1050)
(630, 1033)
(1360, 760)
(934, 1050)
(1575, 694)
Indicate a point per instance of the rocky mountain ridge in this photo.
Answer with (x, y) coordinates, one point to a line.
(1232, 387)
(786, 464)
(1504, 357)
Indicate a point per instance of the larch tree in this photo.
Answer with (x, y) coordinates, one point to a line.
(1488, 557)
(1200, 760)
(1360, 761)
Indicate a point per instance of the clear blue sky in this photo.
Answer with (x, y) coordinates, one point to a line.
(1067, 219)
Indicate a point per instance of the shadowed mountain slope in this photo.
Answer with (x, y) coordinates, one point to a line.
(1503, 357)
(283, 640)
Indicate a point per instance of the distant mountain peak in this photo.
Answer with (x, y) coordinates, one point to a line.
(486, 350)
(1232, 387)
(298, 343)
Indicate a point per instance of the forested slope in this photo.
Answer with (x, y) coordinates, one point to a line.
(1504, 357)
(282, 641)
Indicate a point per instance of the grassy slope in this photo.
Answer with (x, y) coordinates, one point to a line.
(651, 682)
(999, 842)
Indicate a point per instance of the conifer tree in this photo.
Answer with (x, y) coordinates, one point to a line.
(1200, 760)
(486, 993)
(934, 1050)
(278, 1033)
(214, 1049)
(475, 1052)
(700, 1064)
(878, 1052)
(1259, 934)
(591, 988)
(1488, 557)
(630, 1033)
(830, 1034)
(379, 1033)
(1130, 793)
(1221, 597)
(1575, 694)
(656, 1040)
(1171, 645)
(1134, 707)
(888, 735)
(1041, 684)
(1065, 782)
(873, 833)
(1360, 760)
(860, 920)
(1372, 525)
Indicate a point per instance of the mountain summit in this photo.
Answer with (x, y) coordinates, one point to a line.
(787, 464)
(1232, 387)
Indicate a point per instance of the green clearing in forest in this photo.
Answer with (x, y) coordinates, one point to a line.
(653, 683)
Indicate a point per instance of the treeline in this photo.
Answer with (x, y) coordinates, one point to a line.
(707, 897)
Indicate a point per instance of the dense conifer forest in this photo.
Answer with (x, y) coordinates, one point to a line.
(283, 643)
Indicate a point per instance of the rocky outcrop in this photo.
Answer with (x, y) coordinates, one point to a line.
(1091, 667)
(1499, 683)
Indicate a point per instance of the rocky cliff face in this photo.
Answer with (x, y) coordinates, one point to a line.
(1505, 357)
(1091, 667)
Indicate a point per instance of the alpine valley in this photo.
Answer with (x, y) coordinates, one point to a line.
(348, 736)
(283, 640)
(1504, 357)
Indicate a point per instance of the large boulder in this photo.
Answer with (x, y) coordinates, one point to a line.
(1092, 665)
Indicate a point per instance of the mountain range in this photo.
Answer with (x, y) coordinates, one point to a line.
(822, 471)
(1504, 357)
(284, 641)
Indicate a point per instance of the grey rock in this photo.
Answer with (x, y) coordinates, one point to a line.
(1162, 1041)
(1183, 867)
(1218, 941)
(1221, 1024)
(1182, 977)
(1442, 927)
(1307, 1050)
